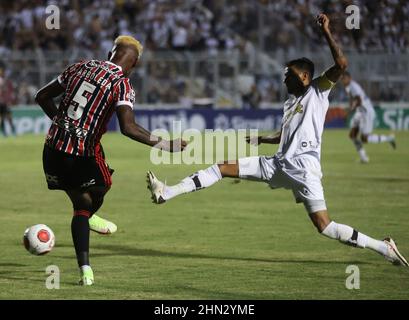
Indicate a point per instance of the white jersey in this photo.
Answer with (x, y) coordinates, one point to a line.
(303, 121)
(355, 90)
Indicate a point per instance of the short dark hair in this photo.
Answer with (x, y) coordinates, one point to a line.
(347, 74)
(303, 64)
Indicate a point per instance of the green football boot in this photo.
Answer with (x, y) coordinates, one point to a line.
(101, 226)
(87, 276)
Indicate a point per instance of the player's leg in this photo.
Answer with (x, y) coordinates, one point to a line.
(96, 223)
(246, 168)
(96, 173)
(97, 195)
(10, 121)
(354, 136)
(2, 125)
(349, 236)
(382, 138)
(310, 192)
(369, 137)
(82, 205)
(198, 180)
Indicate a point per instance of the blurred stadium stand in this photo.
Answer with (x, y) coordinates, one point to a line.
(222, 53)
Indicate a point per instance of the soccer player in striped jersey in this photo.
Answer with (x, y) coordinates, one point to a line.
(73, 158)
(362, 121)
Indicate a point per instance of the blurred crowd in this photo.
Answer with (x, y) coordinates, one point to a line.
(383, 24)
(92, 24)
(196, 26)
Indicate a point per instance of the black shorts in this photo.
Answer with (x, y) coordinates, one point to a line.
(64, 171)
(4, 109)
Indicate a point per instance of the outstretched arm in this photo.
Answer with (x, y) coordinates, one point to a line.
(44, 97)
(341, 63)
(270, 139)
(134, 131)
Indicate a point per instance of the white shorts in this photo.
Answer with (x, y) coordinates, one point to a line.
(364, 121)
(302, 175)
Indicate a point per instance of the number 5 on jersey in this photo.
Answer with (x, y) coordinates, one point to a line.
(79, 101)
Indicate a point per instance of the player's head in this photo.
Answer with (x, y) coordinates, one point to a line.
(346, 78)
(126, 52)
(298, 74)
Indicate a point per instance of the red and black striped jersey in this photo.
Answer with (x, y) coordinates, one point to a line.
(93, 90)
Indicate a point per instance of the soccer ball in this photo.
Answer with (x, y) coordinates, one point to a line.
(39, 239)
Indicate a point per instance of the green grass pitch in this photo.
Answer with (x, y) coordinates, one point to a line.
(231, 241)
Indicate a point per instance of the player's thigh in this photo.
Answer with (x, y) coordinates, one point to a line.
(367, 124)
(311, 194)
(257, 168)
(91, 173)
(355, 120)
(229, 169)
(353, 133)
(54, 166)
(81, 200)
(307, 186)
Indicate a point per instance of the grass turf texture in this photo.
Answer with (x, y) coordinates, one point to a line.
(231, 241)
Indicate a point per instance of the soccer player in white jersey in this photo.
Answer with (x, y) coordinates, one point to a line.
(296, 165)
(362, 121)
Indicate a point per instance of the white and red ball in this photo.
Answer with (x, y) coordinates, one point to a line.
(39, 239)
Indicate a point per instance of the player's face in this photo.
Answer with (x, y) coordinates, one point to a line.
(294, 79)
(132, 61)
(346, 80)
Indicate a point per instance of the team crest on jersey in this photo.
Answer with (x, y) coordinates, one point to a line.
(131, 95)
(298, 109)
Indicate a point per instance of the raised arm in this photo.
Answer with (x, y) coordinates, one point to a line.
(341, 63)
(134, 131)
(44, 97)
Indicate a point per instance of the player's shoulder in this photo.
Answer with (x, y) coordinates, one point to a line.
(124, 90)
(355, 84)
(322, 83)
(124, 83)
(79, 63)
(356, 88)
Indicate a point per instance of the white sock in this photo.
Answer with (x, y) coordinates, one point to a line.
(361, 151)
(199, 180)
(85, 267)
(350, 236)
(357, 144)
(362, 154)
(379, 138)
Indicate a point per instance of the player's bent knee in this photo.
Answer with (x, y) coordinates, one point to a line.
(364, 138)
(98, 192)
(80, 200)
(83, 204)
(318, 215)
(229, 169)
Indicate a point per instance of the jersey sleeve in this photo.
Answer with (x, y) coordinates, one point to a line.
(323, 85)
(356, 91)
(67, 74)
(124, 94)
